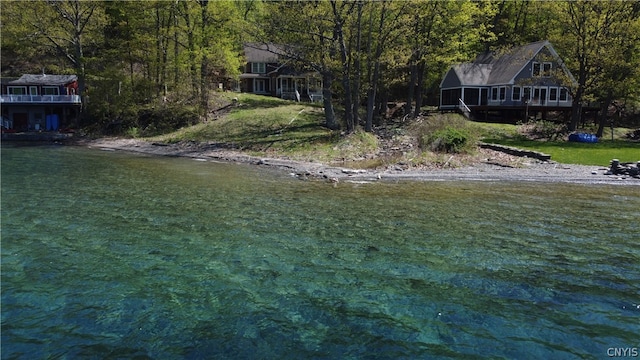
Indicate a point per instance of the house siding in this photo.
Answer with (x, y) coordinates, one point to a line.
(505, 76)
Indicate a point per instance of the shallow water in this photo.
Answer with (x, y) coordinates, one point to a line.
(111, 255)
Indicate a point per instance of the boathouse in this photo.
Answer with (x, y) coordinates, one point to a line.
(40, 102)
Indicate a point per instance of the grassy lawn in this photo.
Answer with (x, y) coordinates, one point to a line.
(566, 152)
(600, 153)
(263, 125)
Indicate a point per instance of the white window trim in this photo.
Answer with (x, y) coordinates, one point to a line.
(33, 90)
(546, 73)
(258, 68)
(263, 89)
(56, 90)
(541, 72)
(566, 92)
(513, 92)
(557, 94)
(11, 88)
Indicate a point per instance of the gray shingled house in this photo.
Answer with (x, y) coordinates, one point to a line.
(528, 78)
(268, 72)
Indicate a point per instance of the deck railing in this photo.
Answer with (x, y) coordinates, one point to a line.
(37, 99)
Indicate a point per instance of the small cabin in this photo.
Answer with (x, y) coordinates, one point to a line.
(268, 72)
(529, 78)
(40, 102)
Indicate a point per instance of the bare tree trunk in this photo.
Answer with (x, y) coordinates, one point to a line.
(329, 114)
(602, 122)
(411, 87)
(357, 66)
(419, 87)
(204, 63)
(346, 71)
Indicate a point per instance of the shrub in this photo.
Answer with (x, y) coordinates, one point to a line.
(449, 140)
(446, 133)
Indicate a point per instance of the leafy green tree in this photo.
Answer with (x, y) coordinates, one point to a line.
(593, 34)
(70, 28)
(314, 48)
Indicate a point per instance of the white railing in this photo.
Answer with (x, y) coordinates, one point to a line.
(32, 99)
(464, 108)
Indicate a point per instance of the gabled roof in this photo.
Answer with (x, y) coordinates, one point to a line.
(497, 69)
(44, 79)
(262, 53)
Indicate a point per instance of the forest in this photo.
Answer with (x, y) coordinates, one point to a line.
(136, 59)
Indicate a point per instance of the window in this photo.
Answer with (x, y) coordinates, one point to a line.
(516, 95)
(258, 68)
(50, 90)
(553, 94)
(259, 86)
(541, 69)
(535, 69)
(564, 95)
(526, 94)
(33, 90)
(503, 93)
(17, 90)
(494, 93)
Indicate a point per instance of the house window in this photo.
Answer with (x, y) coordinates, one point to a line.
(494, 93)
(535, 69)
(33, 90)
(17, 90)
(259, 86)
(503, 93)
(553, 94)
(50, 90)
(258, 68)
(526, 94)
(541, 69)
(564, 95)
(516, 95)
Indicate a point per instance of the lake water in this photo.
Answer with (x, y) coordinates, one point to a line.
(109, 255)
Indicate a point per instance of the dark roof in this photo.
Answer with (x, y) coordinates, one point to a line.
(262, 53)
(493, 68)
(44, 79)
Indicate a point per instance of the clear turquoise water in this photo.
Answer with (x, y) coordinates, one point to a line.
(116, 256)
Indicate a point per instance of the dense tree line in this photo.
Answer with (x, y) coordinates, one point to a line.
(129, 54)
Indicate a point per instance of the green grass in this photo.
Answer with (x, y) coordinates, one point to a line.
(599, 154)
(266, 125)
(269, 126)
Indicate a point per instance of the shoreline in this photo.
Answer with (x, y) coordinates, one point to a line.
(531, 171)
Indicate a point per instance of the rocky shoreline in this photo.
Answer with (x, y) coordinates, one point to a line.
(529, 170)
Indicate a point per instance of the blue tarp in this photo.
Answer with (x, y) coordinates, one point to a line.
(585, 138)
(52, 122)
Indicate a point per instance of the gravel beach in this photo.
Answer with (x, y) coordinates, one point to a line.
(527, 170)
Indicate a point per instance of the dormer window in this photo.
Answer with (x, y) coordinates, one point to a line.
(541, 69)
(258, 68)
